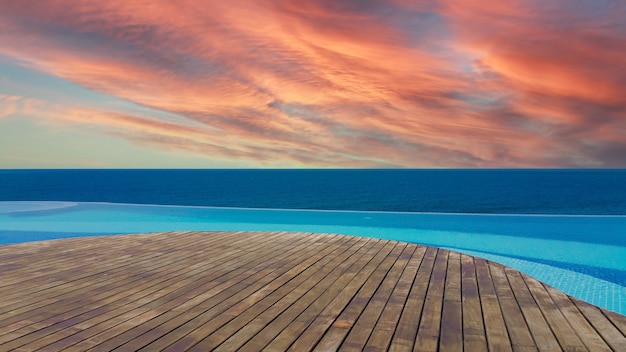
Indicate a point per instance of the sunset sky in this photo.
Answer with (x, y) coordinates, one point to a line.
(312, 83)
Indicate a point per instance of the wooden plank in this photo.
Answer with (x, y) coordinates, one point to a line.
(328, 305)
(539, 327)
(518, 330)
(561, 328)
(291, 332)
(451, 336)
(183, 311)
(473, 326)
(191, 317)
(589, 336)
(281, 291)
(430, 324)
(240, 320)
(60, 261)
(81, 276)
(406, 331)
(495, 327)
(85, 328)
(334, 336)
(605, 328)
(270, 331)
(386, 326)
(153, 329)
(364, 335)
(617, 319)
(109, 274)
(309, 338)
(71, 267)
(63, 303)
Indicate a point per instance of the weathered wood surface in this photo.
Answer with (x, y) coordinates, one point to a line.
(252, 291)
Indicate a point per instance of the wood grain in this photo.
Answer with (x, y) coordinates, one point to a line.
(276, 291)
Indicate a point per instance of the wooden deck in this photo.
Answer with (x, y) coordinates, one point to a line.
(250, 291)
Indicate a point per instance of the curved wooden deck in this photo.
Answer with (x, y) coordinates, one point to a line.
(251, 291)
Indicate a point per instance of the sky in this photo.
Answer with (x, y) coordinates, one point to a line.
(312, 84)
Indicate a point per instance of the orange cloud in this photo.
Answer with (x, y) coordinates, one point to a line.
(325, 83)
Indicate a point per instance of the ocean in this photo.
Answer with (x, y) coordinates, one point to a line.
(475, 191)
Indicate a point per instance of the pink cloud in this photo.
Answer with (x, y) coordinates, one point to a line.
(9, 104)
(324, 83)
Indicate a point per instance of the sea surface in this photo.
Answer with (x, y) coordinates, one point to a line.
(476, 191)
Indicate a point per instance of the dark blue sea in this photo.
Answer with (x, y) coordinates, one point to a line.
(499, 191)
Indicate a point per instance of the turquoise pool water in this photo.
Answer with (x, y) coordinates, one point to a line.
(585, 256)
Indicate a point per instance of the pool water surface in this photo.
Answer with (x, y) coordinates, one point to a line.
(584, 256)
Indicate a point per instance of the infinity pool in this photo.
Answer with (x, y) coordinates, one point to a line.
(584, 256)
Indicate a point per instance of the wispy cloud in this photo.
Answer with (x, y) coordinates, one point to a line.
(8, 105)
(351, 83)
(46, 162)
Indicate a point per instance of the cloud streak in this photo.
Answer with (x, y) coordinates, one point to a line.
(342, 84)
